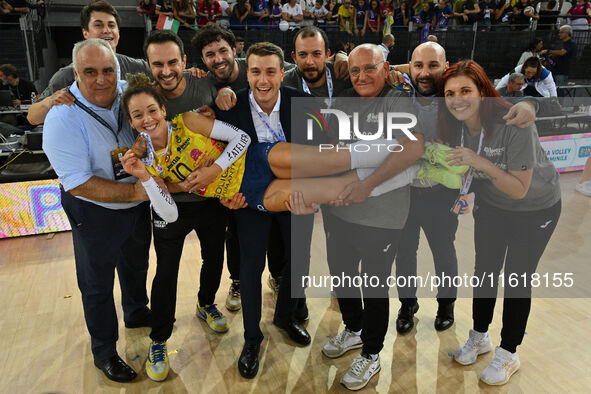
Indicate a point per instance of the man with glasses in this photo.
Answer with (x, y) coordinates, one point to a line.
(368, 230)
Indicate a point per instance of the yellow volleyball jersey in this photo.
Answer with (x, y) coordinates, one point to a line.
(186, 151)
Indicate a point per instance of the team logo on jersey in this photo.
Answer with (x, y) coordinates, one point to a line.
(195, 154)
(181, 148)
(159, 169)
(167, 158)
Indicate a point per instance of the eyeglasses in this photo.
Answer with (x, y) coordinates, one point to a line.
(367, 69)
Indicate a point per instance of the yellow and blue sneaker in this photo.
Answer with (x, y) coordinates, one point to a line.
(430, 173)
(214, 318)
(157, 362)
(436, 153)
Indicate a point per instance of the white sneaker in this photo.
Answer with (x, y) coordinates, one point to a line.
(502, 367)
(362, 369)
(478, 343)
(346, 340)
(584, 188)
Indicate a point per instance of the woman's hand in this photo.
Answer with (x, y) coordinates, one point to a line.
(464, 156)
(134, 166)
(202, 177)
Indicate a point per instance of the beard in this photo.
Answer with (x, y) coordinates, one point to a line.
(178, 82)
(227, 75)
(319, 74)
(425, 92)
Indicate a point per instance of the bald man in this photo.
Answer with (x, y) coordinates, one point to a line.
(388, 42)
(110, 223)
(369, 230)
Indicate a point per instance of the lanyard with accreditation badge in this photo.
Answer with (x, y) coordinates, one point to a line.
(279, 135)
(465, 200)
(116, 154)
(328, 85)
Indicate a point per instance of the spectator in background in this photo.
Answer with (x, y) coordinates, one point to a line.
(21, 89)
(293, 14)
(374, 17)
(184, 11)
(548, 17)
(534, 48)
(520, 17)
(346, 17)
(387, 44)
(164, 7)
(240, 14)
(307, 7)
(503, 15)
(564, 57)
(417, 7)
(539, 81)
(224, 19)
(319, 13)
(387, 7)
(467, 13)
(259, 13)
(580, 14)
(514, 85)
(427, 15)
(240, 47)
(209, 11)
(147, 8)
(402, 15)
(332, 21)
(275, 12)
(487, 13)
(443, 14)
(361, 16)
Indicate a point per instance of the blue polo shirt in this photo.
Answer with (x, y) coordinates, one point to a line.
(79, 147)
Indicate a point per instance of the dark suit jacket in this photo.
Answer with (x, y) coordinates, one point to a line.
(240, 116)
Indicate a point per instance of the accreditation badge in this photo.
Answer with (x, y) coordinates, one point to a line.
(463, 204)
(118, 170)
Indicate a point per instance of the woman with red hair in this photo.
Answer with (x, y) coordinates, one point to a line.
(517, 206)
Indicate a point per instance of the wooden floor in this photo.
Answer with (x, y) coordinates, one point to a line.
(45, 346)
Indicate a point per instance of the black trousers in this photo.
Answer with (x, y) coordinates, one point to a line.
(429, 210)
(253, 228)
(208, 219)
(292, 297)
(105, 240)
(516, 240)
(276, 253)
(347, 245)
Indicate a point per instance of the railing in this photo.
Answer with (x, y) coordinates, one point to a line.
(25, 37)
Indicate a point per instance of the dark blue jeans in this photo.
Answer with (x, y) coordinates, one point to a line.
(429, 210)
(105, 240)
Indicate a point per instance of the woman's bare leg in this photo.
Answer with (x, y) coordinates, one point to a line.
(288, 161)
(314, 190)
(303, 161)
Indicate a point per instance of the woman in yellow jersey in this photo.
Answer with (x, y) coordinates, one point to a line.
(263, 174)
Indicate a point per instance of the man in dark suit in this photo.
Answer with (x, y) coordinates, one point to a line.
(264, 112)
